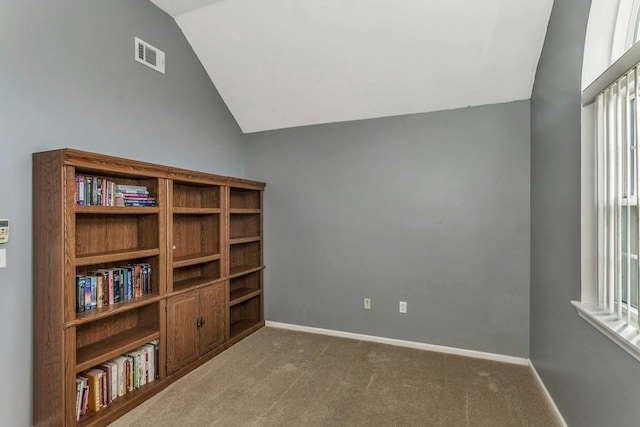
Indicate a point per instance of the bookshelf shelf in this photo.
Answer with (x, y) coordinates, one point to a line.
(240, 211)
(117, 210)
(244, 287)
(187, 265)
(242, 326)
(240, 240)
(116, 256)
(188, 260)
(243, 270)
(240, 295)
(112, 310)
(196, 211)
(113, 346)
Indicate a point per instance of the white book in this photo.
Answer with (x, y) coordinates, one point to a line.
(142, 367)
(122, 369)
(79, 388)
(113, 378)
(151, 362)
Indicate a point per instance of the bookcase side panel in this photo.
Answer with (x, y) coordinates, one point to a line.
(48, 294)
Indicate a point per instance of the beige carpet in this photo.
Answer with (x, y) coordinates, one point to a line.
(277, 377)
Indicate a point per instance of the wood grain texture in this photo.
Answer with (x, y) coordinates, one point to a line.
(49, 265)
(189, 283)
(212, 311)
(182, 314)
(242, 226)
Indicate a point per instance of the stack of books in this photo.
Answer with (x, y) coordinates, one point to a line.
(134, 195)
(100, 385)
(107, 286)
(97, 191)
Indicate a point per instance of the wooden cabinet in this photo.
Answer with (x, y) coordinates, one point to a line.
(182, 334)
(212, 332)
(196, 325)
(198, 238)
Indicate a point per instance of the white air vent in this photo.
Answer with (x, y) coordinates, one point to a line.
(149, 55)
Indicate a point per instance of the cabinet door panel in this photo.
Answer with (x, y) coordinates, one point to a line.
(182, 341)
(213, 311)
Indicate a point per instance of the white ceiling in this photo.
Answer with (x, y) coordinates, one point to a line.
(285, 63)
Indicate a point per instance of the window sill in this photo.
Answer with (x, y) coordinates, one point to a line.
(617, 330)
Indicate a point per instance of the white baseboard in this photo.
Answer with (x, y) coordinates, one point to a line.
(401, 343)
(546, 393)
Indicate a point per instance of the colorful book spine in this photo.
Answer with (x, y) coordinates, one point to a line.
(95, 387)
(80, 293)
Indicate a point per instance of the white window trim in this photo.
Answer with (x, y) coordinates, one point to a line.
(620, 33)
(615, 329)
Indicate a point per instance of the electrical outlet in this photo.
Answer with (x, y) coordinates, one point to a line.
(403, 307)
(367, 303)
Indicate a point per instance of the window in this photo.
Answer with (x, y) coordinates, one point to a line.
(617, 197)
(611, 133)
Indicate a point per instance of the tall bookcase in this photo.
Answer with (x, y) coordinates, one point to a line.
(203, 243)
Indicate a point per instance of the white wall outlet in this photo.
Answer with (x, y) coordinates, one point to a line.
(403, 306)
(367, 303)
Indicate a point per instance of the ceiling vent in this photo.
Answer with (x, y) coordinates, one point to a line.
(149, 55)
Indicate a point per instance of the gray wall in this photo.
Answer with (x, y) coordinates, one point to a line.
(591, 379)
(432, 209)
(68, 79)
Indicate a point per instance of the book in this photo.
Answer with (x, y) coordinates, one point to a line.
(128, 281)
(107, 284)
(79, 390)
(151, 362)
(80, 294)
(101, 287)
(94, 191)
(105, 381)
(94, 290)
(87, 294)
(145, 278)
(93, 377)
(117, 296)
(131, 188)
(99, 290)
(82, 404)
(137, 279)
(81, 190)
(129, 373)
(111, 368)
(120, 363)
(135, 368)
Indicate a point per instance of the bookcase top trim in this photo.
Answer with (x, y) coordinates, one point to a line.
(121, 165)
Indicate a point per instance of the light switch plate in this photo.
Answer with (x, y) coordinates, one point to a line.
(3, 258)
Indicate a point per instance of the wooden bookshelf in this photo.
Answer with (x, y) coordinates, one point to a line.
(199, 234)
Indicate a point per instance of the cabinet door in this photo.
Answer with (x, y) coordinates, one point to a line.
(213, 312)
(182, 341)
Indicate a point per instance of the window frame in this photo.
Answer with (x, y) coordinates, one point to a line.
(622, 330)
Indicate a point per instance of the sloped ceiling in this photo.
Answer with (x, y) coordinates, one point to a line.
(286, 63)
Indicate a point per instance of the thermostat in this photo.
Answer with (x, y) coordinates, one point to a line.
(4, 230)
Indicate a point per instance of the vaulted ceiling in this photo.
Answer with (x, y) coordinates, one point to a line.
(286, 63)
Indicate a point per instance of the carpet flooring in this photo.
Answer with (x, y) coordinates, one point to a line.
(278, 377)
